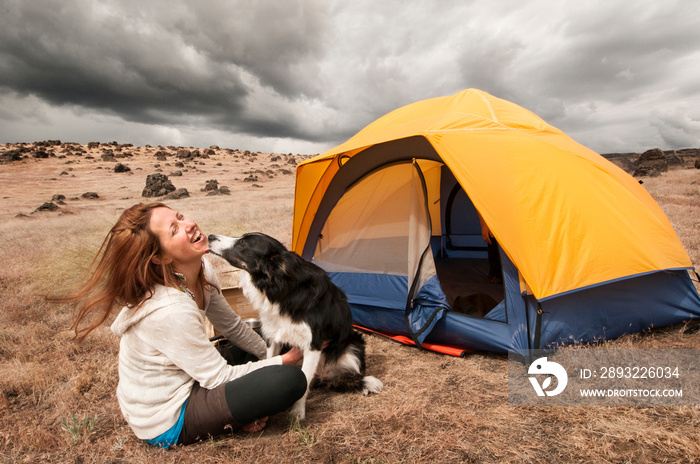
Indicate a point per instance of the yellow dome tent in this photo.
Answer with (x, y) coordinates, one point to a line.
(385, 211)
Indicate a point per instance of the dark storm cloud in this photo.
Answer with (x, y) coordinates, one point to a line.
(160, 62)
(593, 51)
(309, 74)
(612, 53)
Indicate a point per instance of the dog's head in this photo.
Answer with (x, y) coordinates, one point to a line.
(250, 252)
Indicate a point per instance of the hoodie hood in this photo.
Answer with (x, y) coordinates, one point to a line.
(162, 296)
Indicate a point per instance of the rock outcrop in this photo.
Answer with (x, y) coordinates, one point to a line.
(157, 185)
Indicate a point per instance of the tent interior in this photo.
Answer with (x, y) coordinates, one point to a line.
(398, 227)
(462, 258)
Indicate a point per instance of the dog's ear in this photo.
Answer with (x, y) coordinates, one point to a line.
(279, 275)
(286, 265)
(272, 267)
(255, 266)
(279, 267)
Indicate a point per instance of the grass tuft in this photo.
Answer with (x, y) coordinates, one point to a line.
(306, 437)
(79, 428)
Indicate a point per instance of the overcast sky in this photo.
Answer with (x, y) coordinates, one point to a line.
(303, 76)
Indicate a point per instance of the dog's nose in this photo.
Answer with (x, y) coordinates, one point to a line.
(212, 238)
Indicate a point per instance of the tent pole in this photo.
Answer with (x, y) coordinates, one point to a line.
(412, 289)
(538, 326)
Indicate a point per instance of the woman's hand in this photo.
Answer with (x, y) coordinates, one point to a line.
(292, 356)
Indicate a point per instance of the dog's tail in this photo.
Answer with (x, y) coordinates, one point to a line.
(350, 382)
(347, 372)
(338, 347)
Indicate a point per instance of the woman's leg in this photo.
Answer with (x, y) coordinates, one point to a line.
(272, 391)
(261, 393)
(264, 392)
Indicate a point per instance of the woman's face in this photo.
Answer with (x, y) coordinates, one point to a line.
(180, 238)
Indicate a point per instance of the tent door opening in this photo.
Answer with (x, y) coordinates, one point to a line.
(468, 268)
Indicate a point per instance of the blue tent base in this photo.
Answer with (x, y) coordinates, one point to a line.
(598, 313)
(616, 308)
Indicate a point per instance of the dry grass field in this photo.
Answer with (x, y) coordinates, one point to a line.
(58, 404)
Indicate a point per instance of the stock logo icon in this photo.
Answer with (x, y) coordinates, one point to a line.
(543, 367)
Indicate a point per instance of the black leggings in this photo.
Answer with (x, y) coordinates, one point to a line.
(264, 392)
(261, 393)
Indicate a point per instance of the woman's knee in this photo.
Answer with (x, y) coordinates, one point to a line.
(296, 382)
(264, 392)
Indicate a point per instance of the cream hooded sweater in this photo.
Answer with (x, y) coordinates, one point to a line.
(164, 350)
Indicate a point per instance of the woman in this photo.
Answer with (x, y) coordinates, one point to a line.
(174, 386)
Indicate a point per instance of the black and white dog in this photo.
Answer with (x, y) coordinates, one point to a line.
(299, 305)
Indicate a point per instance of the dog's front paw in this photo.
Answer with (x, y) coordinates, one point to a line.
(298, 411)
(371, 385)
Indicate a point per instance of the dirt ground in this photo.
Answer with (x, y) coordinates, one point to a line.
(58, 399)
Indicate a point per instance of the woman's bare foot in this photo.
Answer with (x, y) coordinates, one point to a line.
(256, 426)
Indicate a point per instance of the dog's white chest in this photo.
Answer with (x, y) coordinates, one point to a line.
(276, 327)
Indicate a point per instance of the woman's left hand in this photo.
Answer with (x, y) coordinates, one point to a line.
(292, 356)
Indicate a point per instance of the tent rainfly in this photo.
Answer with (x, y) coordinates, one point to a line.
(395, 216)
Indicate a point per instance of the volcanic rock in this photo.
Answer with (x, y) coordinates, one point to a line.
(119, 167)
(674, 160)
(11, 155)
(646, 171)
(48, 206)
(651, 159)
(213, 188)
(157, 185)
(211, 185)
(178, 194)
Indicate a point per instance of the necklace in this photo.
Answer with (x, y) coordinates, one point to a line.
(183, 288)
